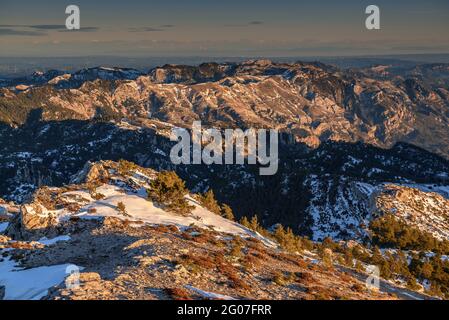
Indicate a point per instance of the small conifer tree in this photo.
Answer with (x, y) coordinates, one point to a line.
(226, 212)
(169, 191)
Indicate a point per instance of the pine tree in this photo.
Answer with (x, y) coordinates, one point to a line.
(426, 270)
(348, 257)
(122, 209)
(170, 191)
(376, 258)
(279, 232)
(412, 284)
(244, 222)
(236, 248)
(125, 167)
(327, 257)
(254, 223)
(208, 201)
(287, 239)
(435, 289)
(359, 266)
(226, 212)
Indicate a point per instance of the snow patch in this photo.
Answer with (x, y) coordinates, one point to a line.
(140, 209)
(209, 295)
(30, 284)
(3, 226)
(49, 242)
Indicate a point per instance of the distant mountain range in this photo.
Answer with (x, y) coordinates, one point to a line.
(14, 67)
(313, 103)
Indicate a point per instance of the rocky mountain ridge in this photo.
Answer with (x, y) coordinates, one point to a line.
(78, 242)
(311, 101)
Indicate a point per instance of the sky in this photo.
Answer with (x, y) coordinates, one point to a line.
(280, 28)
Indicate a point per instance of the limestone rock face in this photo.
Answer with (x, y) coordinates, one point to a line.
(34, 217)
(33, 221)
(91, 172)
(429, 211)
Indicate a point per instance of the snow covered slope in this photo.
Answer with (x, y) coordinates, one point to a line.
(129, 189)
(30, 284)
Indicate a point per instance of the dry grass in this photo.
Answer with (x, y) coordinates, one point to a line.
(304, 277)
(214, 262)
(161, 228)
(237, 283)
(284, 278)
(204, 238)
(92, 210)
(252, 260)
(98, 196)
(233, 275)
(194, 262)
(358, 287)
(73, 207)
(178, 293)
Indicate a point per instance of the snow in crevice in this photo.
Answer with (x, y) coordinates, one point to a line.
(49, 242)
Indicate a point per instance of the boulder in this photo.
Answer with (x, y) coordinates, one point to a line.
(91, 172)
(32, 222)
(4, 239)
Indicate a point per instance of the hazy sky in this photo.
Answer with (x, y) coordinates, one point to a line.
(135, 28)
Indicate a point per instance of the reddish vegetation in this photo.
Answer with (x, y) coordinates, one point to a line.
(178, 293)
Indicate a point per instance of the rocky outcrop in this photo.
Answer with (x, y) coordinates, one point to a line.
(347, 213)
(92, 172)
(4, 239)
(427, 210)
(33, 221)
